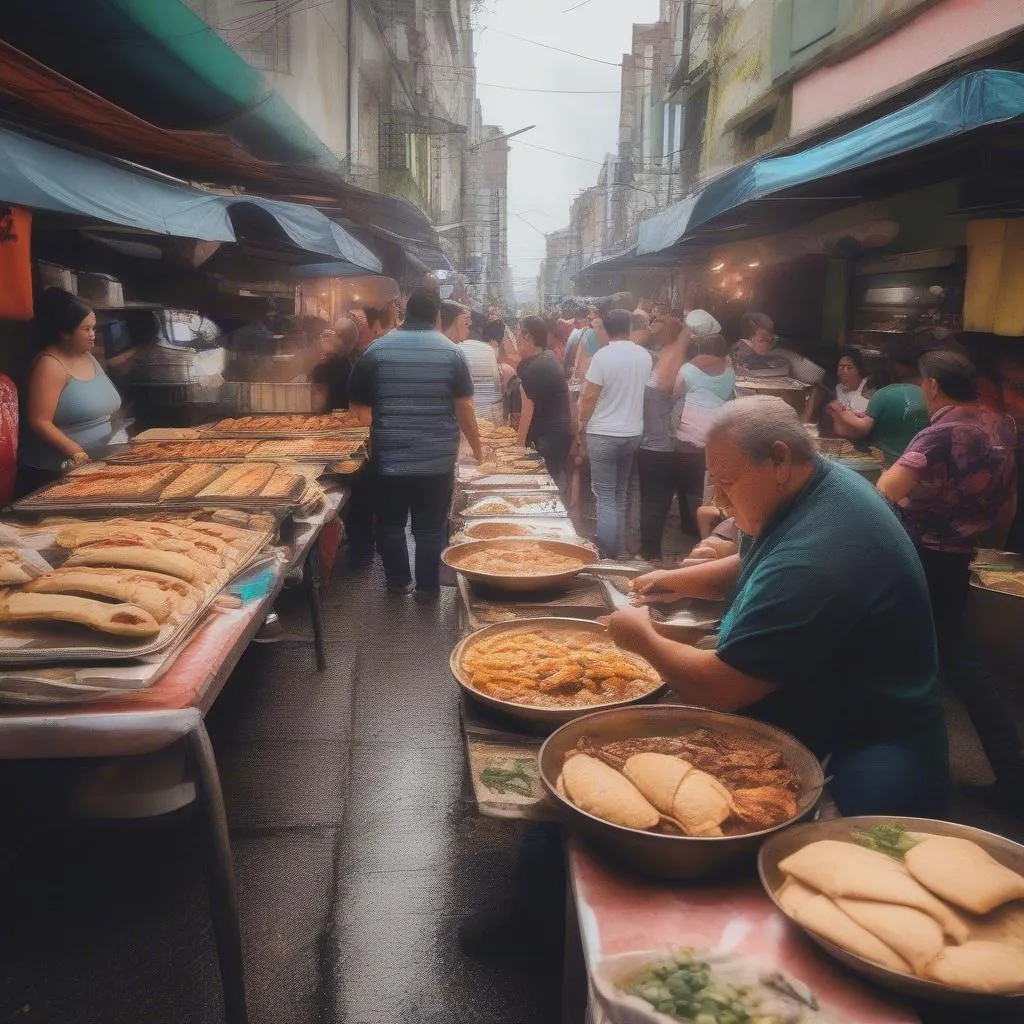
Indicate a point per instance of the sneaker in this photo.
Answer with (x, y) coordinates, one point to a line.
(401, 589)
(424, 596)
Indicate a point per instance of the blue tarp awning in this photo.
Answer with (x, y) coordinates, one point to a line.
(40, 176)
(973, 101)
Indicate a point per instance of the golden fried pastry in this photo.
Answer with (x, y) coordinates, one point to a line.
(11, 568)
(160, 595)
(191, 481)
(172, 563)
(127, 620)
(308, 447)
(280, 485)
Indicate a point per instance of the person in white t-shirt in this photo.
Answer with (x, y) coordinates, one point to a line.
(456, 325)
(612, 417)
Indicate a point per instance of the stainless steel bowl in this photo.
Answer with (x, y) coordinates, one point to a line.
(780, 846)
(534, 719)
(455, 554)
(666, 856)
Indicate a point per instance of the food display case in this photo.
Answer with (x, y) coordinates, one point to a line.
(905, 294)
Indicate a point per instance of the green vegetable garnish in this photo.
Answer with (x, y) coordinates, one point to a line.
(893, 840)
(684, 988)
(509, 780)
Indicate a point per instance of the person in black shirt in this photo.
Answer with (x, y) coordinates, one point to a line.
(330, 375)
(545, 421)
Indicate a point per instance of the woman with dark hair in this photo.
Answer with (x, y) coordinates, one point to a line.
(955, 481)
(853, 380)
(895, 413)
(69, 401)
(545, 421)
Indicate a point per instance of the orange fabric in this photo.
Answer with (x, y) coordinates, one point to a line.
(15, 263)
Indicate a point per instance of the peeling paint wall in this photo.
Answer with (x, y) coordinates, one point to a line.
(740, 77)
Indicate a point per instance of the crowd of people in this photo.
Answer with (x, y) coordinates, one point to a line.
(847, 599)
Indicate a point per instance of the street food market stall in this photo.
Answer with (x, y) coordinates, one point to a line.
(707, 878)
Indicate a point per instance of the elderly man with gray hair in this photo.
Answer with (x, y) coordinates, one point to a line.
(829, 631)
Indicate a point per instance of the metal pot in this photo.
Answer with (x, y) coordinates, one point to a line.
(665, 856)
(534, 719)
(454, 555)
(779, 847)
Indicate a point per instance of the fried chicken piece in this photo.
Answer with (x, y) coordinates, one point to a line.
(764, 806)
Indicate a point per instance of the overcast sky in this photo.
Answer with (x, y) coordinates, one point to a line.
(542, 185)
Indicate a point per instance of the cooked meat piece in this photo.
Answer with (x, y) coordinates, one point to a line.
(742, 778)
(765, 806)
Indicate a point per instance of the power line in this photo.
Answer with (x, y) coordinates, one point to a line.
(572, 156)
(564, 92)
(557, 49)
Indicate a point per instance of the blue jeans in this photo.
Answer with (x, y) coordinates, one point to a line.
(611, 465)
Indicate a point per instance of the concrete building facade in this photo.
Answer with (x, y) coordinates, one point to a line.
(390, 88)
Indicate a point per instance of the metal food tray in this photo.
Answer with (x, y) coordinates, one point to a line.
(50, 644)
(536, 717)
(546, 528)
(528, 481)
(117, 458)
(547, 506)
(37, 502)
(211, 433)
(1005, 851)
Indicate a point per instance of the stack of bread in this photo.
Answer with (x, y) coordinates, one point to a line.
(130, 578)
(947, 912)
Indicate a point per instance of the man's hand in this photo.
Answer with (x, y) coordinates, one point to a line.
(630, 628)
(650, 582)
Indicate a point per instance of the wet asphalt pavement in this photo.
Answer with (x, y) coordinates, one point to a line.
(356, 850)
(355, 847)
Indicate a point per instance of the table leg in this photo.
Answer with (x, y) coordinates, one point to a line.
(223, 893)
(575, 985)
(311, 583)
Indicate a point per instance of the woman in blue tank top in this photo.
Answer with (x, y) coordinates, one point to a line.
(70, 401)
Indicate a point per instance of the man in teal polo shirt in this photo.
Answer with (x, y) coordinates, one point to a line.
(829, 634)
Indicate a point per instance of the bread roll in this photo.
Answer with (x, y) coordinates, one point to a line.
(161, 596)
(981, 967)
(701, 804)
(11, 568)
(846, 869)
(170, 562)
(820, 915)
(126, 620)
(914, 935)
(596, 788)
(657, 776)
(962, 873)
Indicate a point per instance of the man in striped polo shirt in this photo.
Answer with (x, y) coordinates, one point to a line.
(418, 388)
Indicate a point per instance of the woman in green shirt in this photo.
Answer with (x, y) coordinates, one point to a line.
(895, 415)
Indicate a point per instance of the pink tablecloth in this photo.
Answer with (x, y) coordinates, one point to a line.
(619, 913)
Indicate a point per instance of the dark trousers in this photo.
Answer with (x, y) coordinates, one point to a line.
(664, 475)
(555, 449)
(359, 516)
(427, 499)
(964, 667)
